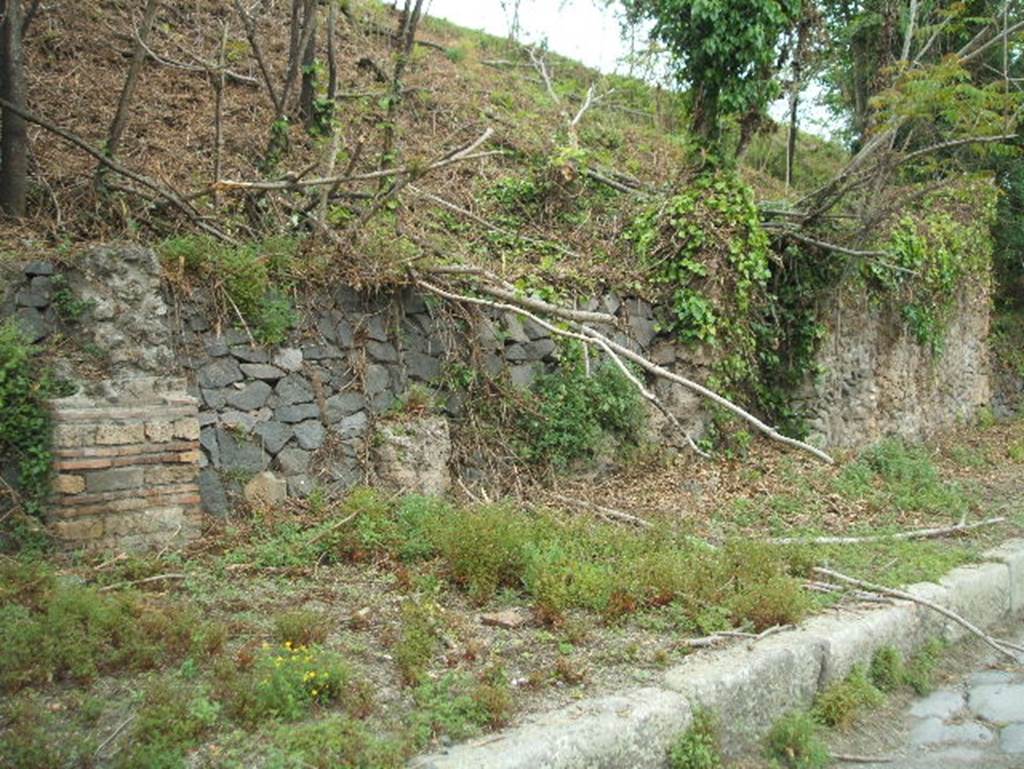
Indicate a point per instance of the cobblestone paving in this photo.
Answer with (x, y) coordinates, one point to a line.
(976, 722)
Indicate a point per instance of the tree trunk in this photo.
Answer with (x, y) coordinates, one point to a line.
(13, 133)
(705, 114)
(308, 92)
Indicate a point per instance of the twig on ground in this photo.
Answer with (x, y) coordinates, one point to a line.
(333, 527)
(1003, 647)
(604, 512)
(145, 581)
(958, 528)
(852, 759)
(114, 734)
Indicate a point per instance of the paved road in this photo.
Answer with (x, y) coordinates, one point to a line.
(975, 720)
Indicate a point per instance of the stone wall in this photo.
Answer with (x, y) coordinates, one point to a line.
(877, 380)
(313, 411)
(125, 465)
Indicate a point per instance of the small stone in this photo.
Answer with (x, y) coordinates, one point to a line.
(509, 619)
(999, 703)
(375, 330)
(29, 297)
(211, 492)
(293, 461)
(250, 354)
(114, 479)
(345, 335)
(160, 431)
(115, 435)
(940, 704)
(522, 376)
(309, 434)
(321, 352)
(376, 379)
(294, 389)
(38, 268)
(343, 404)
(239, 453)
(423, 367)
(32, 324)
(274, 435)
(288, 358)
(265, 490)
(70, 484)
(300, 486)
(534, 330)
(238, 420)
(540, 349)
(1011, 739)
(298, 412)
(220, 373)
(216, 347)
(262, 371)
(514, 330)
(251, 397)
(353, 425)
(383, 352)
(215, 399)
(932, 731)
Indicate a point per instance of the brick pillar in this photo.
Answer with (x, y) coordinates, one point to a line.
(126, 464)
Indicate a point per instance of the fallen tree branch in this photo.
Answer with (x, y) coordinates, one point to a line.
(852, 759)
(958, 528)
(589, 335)
(1003, 647)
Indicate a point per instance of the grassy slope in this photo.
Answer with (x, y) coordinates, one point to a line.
(77, 59)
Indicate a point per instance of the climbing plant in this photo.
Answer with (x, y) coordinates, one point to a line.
(24, 420)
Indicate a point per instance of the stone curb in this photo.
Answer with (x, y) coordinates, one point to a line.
(747, 686)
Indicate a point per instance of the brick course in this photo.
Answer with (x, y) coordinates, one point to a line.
(126, 467)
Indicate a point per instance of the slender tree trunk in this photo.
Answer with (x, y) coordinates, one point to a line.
(120, 121)
(13, 133)
(409, 20)
(307, 94)
(794, 102)
(705, 114)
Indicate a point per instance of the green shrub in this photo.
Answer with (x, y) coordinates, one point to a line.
(843, 702)
(795, 743)
(572, 415)
(25, 425)
(289, 679)
(447, 707)
(920, 670)
(697, 747)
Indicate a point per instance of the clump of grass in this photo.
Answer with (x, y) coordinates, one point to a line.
(449, 706)
(697, 747)
(417, 642)
(887, 672)
(844, 701)
(171, 720)
(920, 669)
(301, 627)
(794, 742)
(29, 738)
(335, 741)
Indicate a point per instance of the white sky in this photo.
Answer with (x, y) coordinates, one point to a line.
(586, 30)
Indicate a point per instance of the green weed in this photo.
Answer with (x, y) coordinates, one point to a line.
(697, 747)
(844, 701)
(333, 742)
(447, 707)
(418, 640)
(301, 627)
(887, 672)
(794, 742)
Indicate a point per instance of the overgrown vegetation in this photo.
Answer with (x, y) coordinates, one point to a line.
(25, 428)
(252, 282)
(795, 742)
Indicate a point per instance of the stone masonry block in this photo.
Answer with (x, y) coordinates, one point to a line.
(77, 531)
(748, 688)
(73, 435)
(114, 435)
(160, 431)
(114, 479)
(70, 484)
(634, 729)
(848, 639)
(158, 475)
(980, 594)
(1012, 554)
